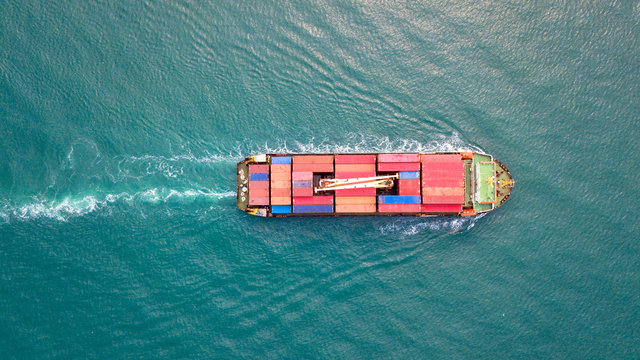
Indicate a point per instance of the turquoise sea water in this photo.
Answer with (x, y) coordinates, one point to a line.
(120, 127)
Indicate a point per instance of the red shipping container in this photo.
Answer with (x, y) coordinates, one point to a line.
(356, 208)
(313, 159)
(440, 157)
(280, 168)
(409, 208)
(302, 175)
(442, 208)
(263, 200)
(452, 166)
(280, 192)
(258, 184)
(313, 200)
(355, 159)
(355, 174)
(276, 200)
(303, 191)
(258, 169)
(398, 166)
(409, 187)
(442, 199)
(447, 191)
(315, 168)
(442, 174)
(356, 192)
(280, 184)
(443, 183)
(356, 167)
(281, 176)
(258, 192)
(356, 200)
(398, 158)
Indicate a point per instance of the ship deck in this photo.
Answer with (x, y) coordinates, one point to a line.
(436, 184)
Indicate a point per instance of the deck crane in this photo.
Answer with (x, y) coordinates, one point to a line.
(378, 182)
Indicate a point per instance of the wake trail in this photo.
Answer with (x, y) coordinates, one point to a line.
(75, 206)
(88, 181)
(414, 226)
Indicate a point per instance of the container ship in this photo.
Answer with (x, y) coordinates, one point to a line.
(395, 184)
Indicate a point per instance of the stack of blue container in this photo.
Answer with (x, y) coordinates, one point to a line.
(399, 199)
(401, 203)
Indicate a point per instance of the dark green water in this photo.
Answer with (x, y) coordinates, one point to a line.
(120, 126)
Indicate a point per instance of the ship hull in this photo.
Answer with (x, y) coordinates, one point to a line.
(422, 184)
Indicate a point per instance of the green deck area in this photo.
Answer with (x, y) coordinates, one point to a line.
(486, 186)
(484, 182)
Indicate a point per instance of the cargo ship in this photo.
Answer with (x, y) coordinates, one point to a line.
(389, 184)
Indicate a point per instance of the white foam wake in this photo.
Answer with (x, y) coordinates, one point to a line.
(172, 166)
(189, 157)
(413, 226)
(79, 206)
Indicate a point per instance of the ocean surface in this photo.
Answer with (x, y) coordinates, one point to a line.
(121, 124)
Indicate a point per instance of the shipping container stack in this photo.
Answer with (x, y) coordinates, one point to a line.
(442, 183)
(281, 184)
(355, 200)
(304, 199)
(408, 167)
(258, 184)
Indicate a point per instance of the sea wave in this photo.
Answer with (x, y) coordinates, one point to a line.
(370, 143)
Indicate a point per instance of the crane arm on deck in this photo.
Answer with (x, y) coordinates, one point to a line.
(382, 182)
